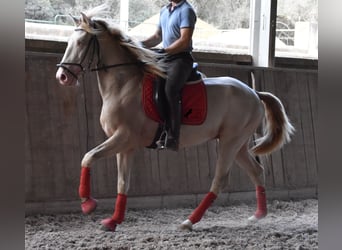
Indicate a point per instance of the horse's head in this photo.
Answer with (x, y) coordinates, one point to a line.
(81, 50)
(84, 46)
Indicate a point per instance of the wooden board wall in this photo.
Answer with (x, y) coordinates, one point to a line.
(62, 124)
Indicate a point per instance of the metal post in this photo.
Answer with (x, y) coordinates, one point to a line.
(263, 24)
(124, 13)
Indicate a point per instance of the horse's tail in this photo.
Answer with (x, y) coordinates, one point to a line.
(277, 130)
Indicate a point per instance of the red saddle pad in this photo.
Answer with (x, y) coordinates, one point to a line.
(194, 102)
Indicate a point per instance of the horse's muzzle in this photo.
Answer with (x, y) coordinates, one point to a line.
(65, 77)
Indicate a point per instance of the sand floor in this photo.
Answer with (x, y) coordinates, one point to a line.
(289, 225)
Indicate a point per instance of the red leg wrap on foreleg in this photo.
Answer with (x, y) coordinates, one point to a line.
(89, 204)
(261, 202)
(84, 188)
(120, 208)
(202, 207)
(110, 224)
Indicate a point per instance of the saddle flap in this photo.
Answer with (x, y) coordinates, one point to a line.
(194, 102)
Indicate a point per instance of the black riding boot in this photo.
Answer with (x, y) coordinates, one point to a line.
(163, 110)
(172, 140)
(160, 99)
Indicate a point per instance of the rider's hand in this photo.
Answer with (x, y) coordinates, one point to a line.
(161, 51)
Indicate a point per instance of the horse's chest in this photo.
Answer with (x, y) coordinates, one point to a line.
(109, 121)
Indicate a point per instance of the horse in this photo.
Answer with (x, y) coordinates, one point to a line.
(235, 111)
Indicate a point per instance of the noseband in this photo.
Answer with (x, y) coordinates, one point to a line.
(94, 43)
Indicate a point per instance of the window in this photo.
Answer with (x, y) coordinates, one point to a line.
(222, 26)
(216, 30)
(297, 29)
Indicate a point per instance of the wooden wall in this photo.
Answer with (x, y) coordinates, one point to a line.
(295, 166)
(62, 124)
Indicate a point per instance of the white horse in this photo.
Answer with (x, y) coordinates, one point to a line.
(234, 112)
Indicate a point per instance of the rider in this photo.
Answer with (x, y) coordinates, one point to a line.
(175, 29)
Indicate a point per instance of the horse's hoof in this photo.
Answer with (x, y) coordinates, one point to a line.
(186, 225)
(89, 205)
(256, 217)
(108, 225)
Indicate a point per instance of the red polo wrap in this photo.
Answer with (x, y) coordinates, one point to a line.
(202, 207)
(84, 188)
(261, 202)
(120, 208)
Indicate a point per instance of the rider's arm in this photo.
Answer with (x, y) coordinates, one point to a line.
(153, 40)
(182, 43)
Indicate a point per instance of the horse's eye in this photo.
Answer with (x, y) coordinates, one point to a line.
(79, 43)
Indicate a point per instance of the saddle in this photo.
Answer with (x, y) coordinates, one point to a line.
(193, 99)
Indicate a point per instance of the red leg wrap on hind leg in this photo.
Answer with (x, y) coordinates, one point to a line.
(84, 188)
(261, 202)
(120, 208)
(202, 207)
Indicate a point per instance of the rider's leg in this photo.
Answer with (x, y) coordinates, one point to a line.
(178, 72)
(160, 101)
(160, 98)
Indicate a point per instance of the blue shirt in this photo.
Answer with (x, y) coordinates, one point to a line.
(171, 22)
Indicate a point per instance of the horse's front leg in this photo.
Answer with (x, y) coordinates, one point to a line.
(116, 143)
(124, 162)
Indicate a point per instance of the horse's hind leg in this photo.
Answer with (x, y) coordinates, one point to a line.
(254, 170)
(226, 156)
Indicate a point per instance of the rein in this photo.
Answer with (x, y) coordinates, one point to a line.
(105, 67)
(94, 43)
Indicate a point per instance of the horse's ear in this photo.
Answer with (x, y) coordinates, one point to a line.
(76, 20)
(85, 19)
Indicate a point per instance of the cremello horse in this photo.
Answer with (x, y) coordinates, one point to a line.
(234, 112)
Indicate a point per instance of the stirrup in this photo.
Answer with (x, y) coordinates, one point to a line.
(161, 143)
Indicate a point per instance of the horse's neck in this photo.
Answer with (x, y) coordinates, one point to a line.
(111, 52)
(119, 84)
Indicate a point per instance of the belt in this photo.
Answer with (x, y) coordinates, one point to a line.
(178, 55)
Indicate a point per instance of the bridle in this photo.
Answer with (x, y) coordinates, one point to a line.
(94, 44)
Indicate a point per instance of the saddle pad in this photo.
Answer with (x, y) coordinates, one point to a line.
(194, 102)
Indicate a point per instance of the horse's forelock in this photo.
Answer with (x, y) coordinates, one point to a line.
(95, 25)
(102, 10)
